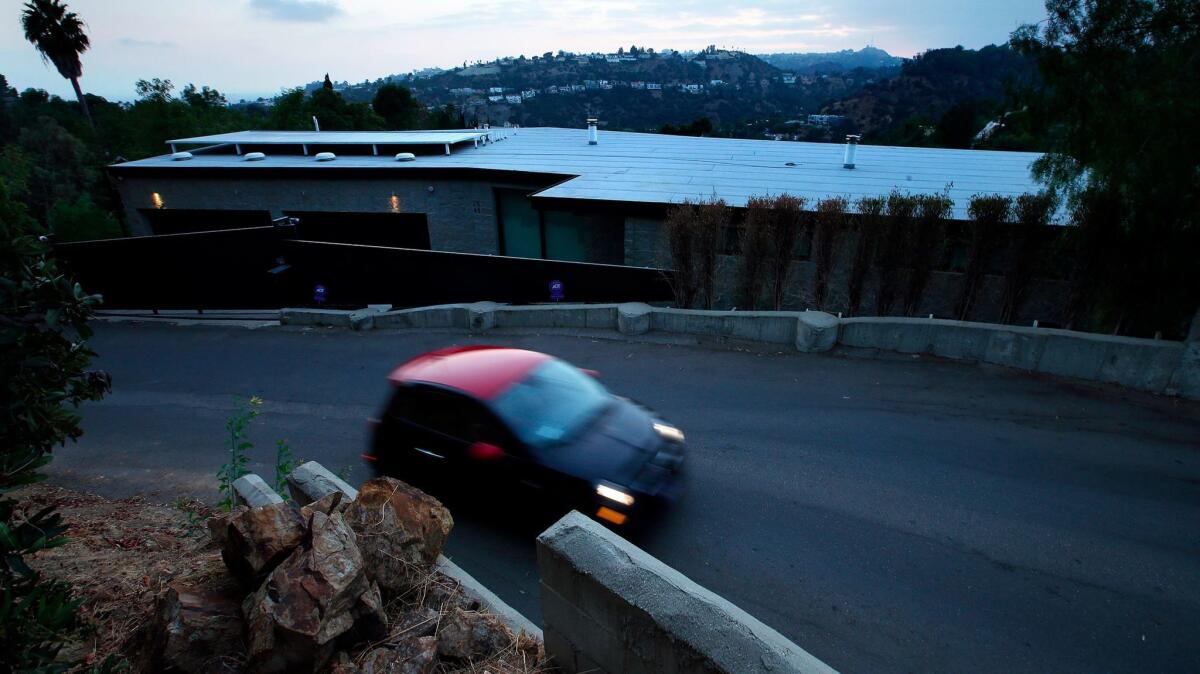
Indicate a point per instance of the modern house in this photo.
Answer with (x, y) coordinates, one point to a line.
(523, 192)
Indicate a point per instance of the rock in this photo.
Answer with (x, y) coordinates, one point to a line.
(370, 621)
(417, 655)
(218, 526)
(310, 481)
(342, 664)
(307, 602)
(258, 539)
(251, 491)
(419, 622)
(469, 634)
(334, 501)
(400, 529)
(443, 593)
(199, 630)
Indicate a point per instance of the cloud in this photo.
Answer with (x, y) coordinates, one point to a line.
(134, 42)
(296, 10)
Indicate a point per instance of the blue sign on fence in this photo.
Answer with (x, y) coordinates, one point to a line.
(319, 294)
(556, 290)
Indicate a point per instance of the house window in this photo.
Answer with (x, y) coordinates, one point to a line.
(520, 226)
(556, 234)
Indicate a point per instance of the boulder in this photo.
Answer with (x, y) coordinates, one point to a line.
(310, 481)
(307, 602)
(418, 622)
(198, 630)
(218, 526)
(465, 635)
(416, 655)
(400, 529)
(334, 501)
(370, 620)
(256, 540)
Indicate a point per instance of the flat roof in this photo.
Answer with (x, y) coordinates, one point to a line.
(659, 169)
(336, 137)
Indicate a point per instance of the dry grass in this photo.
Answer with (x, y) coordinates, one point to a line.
(119, 555)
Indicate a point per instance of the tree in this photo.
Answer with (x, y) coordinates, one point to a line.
(58, 36)
(397, 106)
(988, 214)
(1122, 82)
(327, 84)
(830, 221)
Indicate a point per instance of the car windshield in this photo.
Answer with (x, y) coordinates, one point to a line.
(552, 404)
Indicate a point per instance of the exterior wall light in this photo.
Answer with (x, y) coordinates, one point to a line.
(156, 199)
(394, 204)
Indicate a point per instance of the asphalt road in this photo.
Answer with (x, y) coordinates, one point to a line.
(887, 515)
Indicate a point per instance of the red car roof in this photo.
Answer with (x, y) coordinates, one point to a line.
(482, 371)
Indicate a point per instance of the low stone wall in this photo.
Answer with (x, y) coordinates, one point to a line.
(609, 607)
(1158, 366)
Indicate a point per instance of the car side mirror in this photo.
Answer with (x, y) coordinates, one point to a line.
(485, 451)
(591, 373)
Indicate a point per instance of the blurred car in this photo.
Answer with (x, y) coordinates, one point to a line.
(511, 419)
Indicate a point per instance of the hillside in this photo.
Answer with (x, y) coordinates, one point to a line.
(812, 63)
(636, 90)
(969, 86)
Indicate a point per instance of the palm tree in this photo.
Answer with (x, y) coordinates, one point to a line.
(58, 36)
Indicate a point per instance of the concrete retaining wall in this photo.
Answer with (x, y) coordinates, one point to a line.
(609, 607)
(1158, 366)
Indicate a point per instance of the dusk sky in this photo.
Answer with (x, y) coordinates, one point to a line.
(248, 48)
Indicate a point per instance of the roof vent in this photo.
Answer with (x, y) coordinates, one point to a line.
(181, 156)
(405, 156)
(851, 150)
(592, 136)
(255, 156)
(326, 156)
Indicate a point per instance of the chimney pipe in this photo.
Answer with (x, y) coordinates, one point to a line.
(592, 135)
(851, 150)
(316, 124)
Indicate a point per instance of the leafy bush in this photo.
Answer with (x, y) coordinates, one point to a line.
(43, 366)
(238, 446)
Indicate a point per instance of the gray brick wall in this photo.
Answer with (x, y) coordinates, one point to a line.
(461, 213)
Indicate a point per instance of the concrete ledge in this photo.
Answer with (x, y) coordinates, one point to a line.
(607, 606)
(816, 331)
(1144, 364)
(310, 482)
(252, 491)
(334, 318)
(633, 318)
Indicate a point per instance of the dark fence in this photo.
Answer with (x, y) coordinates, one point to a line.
(261, 267)
(228, 269)
(354, 275)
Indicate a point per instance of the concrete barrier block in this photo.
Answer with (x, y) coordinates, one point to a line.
(443, 316)
(1066, 355)
(1186, 379)
(1145, 365)
(310, 482)
(816, 331)
(906, 335)
(633, 318)
(601, 317)
(1019, 348)
(959, 340)
(610, 607)
(324, 317)
(773, 327)
(251, 491)
(495, 605)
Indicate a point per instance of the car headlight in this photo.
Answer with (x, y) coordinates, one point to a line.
(669, 432)
(614, 494)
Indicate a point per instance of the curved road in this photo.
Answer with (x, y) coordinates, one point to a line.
(888, 515)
